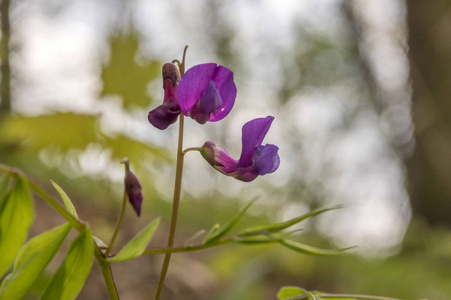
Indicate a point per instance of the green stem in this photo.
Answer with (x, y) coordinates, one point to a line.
(126, 163)
(107, 274)
(360, 297)
(181, 64)
(188, 248)
(191, 149)
(175, 208)
(177, 192)
(345, 296)
(118, 225)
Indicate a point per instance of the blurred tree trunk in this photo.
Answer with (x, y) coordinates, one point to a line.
(5, 83)
(429, 168)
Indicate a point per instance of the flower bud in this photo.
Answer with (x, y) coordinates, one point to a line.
(168, 112)
(170, 72)
(217, 157)
(132, 188)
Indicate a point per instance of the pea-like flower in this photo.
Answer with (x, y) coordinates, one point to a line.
(168, 112)
(207, 92)
(255, 158)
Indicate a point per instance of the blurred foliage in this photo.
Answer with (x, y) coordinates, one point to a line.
(63, 131)
(127, 74)
(320, 62)
(419, 270)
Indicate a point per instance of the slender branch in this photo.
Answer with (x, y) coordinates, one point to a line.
(177, 192)
(187, 248)
(107, 274)
(190, 149)
(181, 64)
(175, 208)
(118, 225)
(347, 296)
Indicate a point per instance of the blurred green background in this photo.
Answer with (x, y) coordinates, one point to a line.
(360, 94)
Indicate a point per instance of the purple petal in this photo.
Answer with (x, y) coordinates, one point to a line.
(266, 159)
(245, 174)
(170, 91)
(254, 132)
(167, 113)
(164, 115)
(223, 78)
(193, 85)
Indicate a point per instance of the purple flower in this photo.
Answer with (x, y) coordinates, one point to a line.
(207, 92)
(133, 189)
(168, 112)
(255, 158)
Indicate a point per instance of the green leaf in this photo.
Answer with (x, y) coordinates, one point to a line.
(31, 261)
(258, 239)
(307, 249)
(189, 241)
(69, 206)
(283, 225)
(287, 292)
(223, 230)
(262, 238)
(212, 230)
(101, 244)
(68, 280)
(126, 77)
(138, 244)
(4, 184)
(16, 217)
(312, 296)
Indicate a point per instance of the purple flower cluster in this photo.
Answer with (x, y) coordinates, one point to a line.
(207, 93)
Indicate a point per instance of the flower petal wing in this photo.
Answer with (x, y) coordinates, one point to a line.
(223, 78)
(244, 174)
(266, 159)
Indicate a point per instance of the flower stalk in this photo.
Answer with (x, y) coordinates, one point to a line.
(118, 225)
(177, 193)
(191, 149)
(107, 274)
